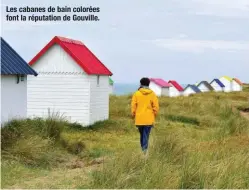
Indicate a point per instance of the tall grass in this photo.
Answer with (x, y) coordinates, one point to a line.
(170, 165)
(198, 142)
(180, 161)
(46, 128)
(35, 142)
(246, 87)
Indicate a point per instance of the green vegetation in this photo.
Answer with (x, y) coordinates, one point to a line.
(198, 142)
(246, 87)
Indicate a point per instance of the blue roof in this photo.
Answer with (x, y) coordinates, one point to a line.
(218, 82)
(12, 63)
(194, 88)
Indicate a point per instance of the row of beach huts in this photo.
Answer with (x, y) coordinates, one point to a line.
(66, 78)
(172, 88)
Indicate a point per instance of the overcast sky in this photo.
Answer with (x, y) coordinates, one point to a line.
(183, 40)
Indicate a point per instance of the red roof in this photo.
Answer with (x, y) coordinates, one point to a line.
(80, 53)
(238, 81)
(176, 85)
(160, 82)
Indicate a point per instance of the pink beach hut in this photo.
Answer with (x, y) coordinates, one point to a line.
(160, 87)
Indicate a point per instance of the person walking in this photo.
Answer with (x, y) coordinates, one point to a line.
(144, 108)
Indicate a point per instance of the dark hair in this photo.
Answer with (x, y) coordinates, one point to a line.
(145, 82)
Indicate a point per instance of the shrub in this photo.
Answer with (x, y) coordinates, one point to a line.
(34, 151)
(11, 132)
(49, 128)
(53, 128)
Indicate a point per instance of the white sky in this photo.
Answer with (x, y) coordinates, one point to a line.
(187, 41)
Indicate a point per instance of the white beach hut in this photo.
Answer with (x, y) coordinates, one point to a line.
(191, 89)
(72, 82)
(204, 86)
(217, 85)
(227, 81)
(14, 71)
(175, 89)
(237, 85)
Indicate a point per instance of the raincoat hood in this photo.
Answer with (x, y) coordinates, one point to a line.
(145, 91)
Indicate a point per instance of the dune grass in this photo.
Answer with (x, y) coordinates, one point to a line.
(246, 87)
(199, 141)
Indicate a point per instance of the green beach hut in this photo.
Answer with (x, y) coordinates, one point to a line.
(111, 83)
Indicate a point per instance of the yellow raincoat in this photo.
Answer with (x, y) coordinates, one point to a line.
(144, 107)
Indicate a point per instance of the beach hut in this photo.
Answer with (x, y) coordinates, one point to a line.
(237, 85)
(72, 82)
(227, 81)
(175, 89)
(191, 89)
(159, 86)
(111, 84)
(217, 85)
(204, 86)
(14, 71)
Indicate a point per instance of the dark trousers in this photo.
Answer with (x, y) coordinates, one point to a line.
(144, 136)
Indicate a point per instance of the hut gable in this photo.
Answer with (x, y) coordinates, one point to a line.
(160, 82)
(176, 85)
(227, 78)
(89, 63)
(194, 88)
(191, 89)
(218, 82)
(238, 81)
(204, 86)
